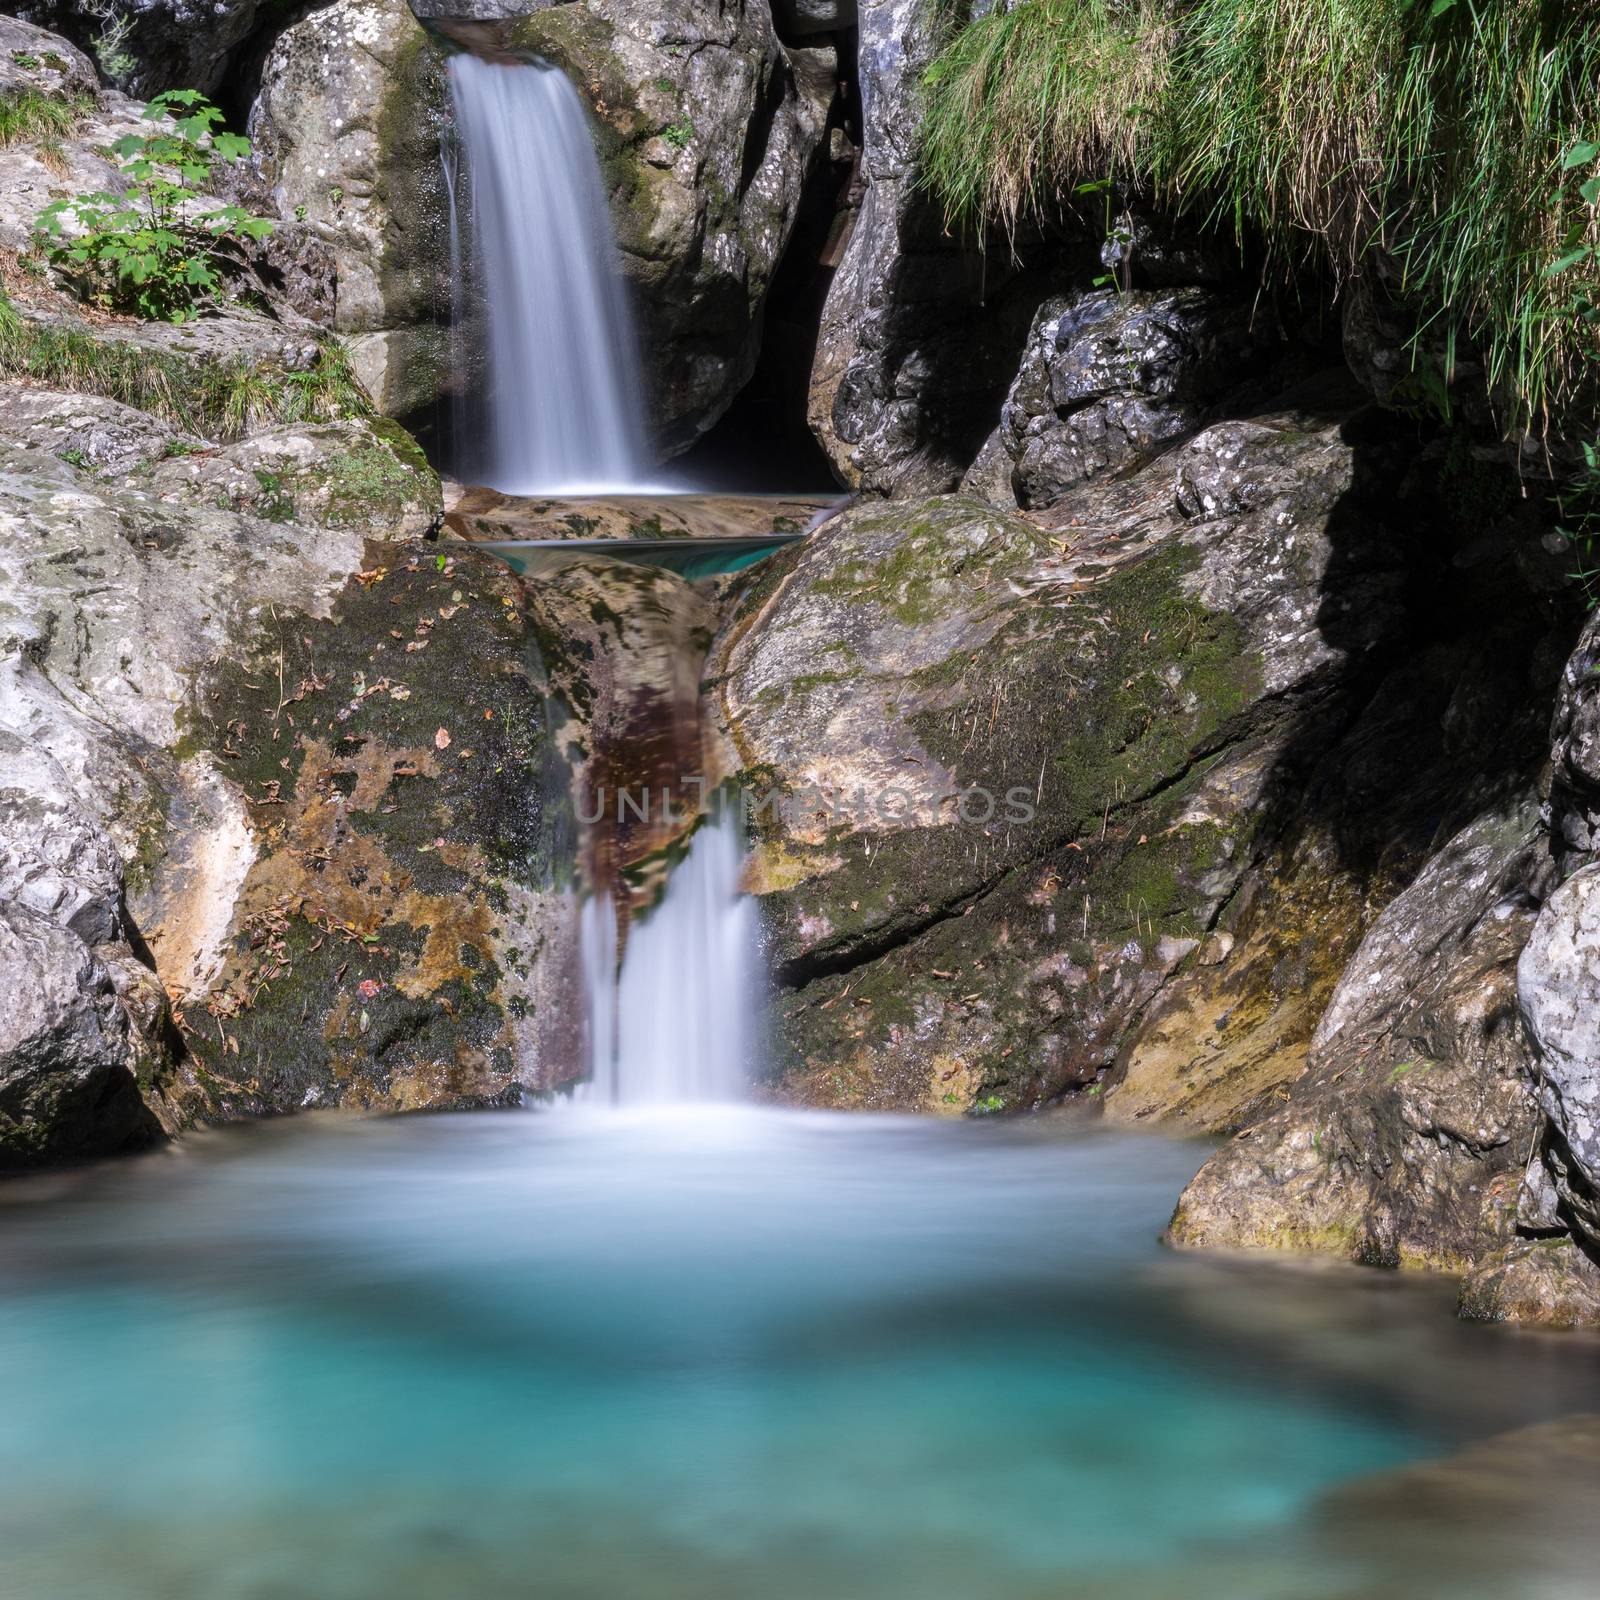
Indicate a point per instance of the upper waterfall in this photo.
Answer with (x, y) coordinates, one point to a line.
(562, 405)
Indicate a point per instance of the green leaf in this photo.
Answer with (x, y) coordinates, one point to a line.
(1567, 262)
(1580, 155)
(1590, 191)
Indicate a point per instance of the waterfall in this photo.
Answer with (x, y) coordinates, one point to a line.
(675, 1025)
(562, 409)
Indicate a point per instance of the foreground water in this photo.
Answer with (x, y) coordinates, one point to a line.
(731, 1353)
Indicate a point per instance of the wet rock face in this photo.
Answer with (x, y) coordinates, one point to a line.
(708, 128)
(1107, 379)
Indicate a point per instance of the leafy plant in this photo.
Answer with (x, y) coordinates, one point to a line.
(155, 248)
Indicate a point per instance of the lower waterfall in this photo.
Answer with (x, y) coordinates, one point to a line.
(562, 405)
(675, 1023)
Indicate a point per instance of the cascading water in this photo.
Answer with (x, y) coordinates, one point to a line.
(675, 1024)
(562, 411)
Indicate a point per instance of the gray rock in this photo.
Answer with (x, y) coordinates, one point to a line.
(1575, 750)
(936, 954)
(66, 1088)
(1541, 1282)
(920, 332)
(145, 46)
(368, 476)
(1403, 1142)
(84, 429)
(1108, 379)
(346, 131)
(1558, 989)
(34, 58)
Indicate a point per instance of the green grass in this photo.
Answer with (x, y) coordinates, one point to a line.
(29, 116)
(1430, 133)
(217, 399)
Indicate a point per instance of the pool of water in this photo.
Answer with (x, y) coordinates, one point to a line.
(729, 1353)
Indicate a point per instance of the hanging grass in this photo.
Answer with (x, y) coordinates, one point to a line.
(1455, 138)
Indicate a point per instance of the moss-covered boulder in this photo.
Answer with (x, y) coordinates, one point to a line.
(1100, 801)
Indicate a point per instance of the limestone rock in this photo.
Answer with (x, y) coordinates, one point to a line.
(1023, 774)
(1548, 1283)
(85, 430)
(1108, 378)
(150, 45)
(368, 476)
(1403, 1142)
(346, 133)
(1558, 989)
(66, 1088)
(1575, 752)
(32, 57)
(920, 334)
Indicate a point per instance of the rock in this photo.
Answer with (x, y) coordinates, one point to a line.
(1112, 695)
(921, 331)
(1214, 750)
(1541, 1282)
(369, 476)
(85, 430)
(34, 58)
(1575, 752)
(1558, 990)
(1403, 1143)
(990, 475)
(150, 45)
(799, 18)
(1107, 379)
(66, 1088)
(346, 132)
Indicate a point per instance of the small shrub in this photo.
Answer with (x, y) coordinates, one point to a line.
(152, 249)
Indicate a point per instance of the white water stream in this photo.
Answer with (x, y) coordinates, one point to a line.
(563, 408)
(676, 1024)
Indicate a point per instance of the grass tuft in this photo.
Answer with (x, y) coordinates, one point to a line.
(1435, 136)
(214, 399)
(29, 116)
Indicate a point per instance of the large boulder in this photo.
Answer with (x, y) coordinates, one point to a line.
(1108, 379)
(1195, 701)
(275, 784)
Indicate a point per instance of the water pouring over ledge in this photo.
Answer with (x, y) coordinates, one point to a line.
(562, 408)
